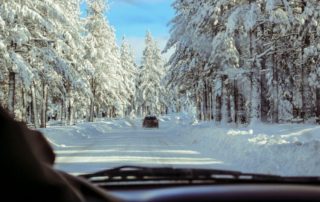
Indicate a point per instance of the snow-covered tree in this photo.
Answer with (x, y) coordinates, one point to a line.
(109, 91)
(129, 74)
(53, 62)
(149, 85)
(40, 47)
(245, 61)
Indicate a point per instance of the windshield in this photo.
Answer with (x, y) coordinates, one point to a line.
(228, 85)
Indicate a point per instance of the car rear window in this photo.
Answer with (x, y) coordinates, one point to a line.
(150, 118)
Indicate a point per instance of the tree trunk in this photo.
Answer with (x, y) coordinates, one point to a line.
(219, 97)
(264, 102)
(209, 98)
(44, 104)
(98, 111)
(254, 93)
(205, 102)
(92, 101)
(275, 86)
(224, 100)
(275, 104)
(91, 110)
(29, 113)
(70, 108)
(34, 107)
(303, 99)
(255, 99)
(213, 105)
(111, 108)
(63, 111)
(235, 100)
(318, 104)
(113, 112)
(231, 103)
(11, 94)
(24, 114)
(198, 101)
(229, 110)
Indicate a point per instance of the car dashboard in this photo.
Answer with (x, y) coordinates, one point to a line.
(143, 184)
(206, 193)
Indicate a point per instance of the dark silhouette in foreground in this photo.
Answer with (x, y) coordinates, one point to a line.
(27, 172)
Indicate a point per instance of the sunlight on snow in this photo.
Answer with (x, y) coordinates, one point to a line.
(266, 139)
(90, 156)
(138, 159)
(127, 151)
(240, 132)
(299, 133)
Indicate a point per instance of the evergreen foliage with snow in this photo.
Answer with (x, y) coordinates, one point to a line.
(55, 64)
(247, 61)
(150, 95)
(234, 61)
(128, 75)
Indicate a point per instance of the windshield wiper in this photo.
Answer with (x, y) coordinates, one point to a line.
(142, 175)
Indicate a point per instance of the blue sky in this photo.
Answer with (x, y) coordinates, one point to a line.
(132, 18)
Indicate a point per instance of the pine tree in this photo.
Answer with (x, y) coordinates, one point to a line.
(150, 88)
(129, 74)
(104, 56)
(39, 52)
(256, 57)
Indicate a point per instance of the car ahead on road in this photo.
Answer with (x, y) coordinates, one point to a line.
(150, 122)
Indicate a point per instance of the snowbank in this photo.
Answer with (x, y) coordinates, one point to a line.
(285, 149)
(75, 136)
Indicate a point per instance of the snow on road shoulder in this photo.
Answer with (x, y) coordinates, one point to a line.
(74, 136)
(285, 149)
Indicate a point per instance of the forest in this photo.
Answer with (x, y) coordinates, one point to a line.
(239, 61)
(55, 64)
(244, 61)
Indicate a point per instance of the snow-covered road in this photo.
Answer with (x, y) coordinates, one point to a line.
(127, 145)
(285, 149)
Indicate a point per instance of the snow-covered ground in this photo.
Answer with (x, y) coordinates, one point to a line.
(285, 149)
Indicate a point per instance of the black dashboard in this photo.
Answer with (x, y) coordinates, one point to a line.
(206, 193)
